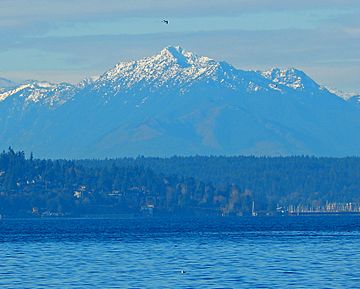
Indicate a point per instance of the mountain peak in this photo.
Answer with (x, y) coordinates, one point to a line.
(42, 92)
(172, 66)
(291, 77)
(176, 102)
(342, 94)
(183, 57)
(173, 50)
(179, 55)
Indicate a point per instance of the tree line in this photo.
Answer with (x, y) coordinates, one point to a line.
(172, 186)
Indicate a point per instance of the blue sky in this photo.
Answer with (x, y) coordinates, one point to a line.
(69, 40)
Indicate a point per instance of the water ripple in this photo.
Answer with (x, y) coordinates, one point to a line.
(159, 254)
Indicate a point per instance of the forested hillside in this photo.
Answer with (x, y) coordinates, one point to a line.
(176, 186)
(309, 178)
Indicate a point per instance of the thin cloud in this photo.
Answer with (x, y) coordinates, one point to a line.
(90, 9)
(26, 27)
(88, 55)
(36, 17)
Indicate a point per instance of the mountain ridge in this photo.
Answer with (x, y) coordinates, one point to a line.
(200, 66)
(177, 102)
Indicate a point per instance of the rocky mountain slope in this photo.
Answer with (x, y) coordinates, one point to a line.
(177, 102)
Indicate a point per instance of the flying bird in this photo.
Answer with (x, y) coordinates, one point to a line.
(165, 21)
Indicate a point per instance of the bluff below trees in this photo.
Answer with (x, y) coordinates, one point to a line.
(180, 186)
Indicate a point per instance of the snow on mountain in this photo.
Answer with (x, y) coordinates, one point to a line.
(87, 81)
(6, 93)
(171, 63)
(355, 99)
(341, 94)
(41, 92)
(176, 68)
(177, 102)
(292, 78)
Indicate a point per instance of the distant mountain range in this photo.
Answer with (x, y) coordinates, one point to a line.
(5, 83)
(179, 103)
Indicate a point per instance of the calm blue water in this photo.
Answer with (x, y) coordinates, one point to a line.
(297, 252)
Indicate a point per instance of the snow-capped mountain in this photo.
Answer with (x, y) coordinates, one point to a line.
(292, 78)
(40, 92)
(177, 102)
(342, 94)
(180, 69)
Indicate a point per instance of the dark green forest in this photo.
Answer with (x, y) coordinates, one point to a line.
(177, 186)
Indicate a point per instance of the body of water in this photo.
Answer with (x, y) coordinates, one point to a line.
(254, 252)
